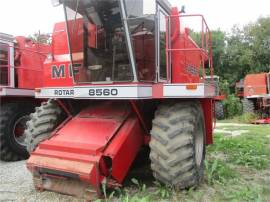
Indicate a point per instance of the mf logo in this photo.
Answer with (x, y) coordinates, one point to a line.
(59, 72)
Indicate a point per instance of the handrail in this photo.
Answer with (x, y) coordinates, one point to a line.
(10, 67)
(206, 42)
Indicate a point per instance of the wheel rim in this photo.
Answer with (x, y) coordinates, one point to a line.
(18, 130)
(199, 143)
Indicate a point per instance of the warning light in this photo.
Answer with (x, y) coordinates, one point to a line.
(191, 87)
(37, 90)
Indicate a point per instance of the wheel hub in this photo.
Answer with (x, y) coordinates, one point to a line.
(18, 130)
(199, 143)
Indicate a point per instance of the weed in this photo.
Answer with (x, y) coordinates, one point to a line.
(139, 196)
(163, 191)
(193, 195)
(218, 171)
(242, 151)
(135, 198)
(141, 187)
(245, 193)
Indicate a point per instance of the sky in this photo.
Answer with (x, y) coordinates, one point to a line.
(24, 17)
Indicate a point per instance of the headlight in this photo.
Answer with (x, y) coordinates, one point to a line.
(55, 3)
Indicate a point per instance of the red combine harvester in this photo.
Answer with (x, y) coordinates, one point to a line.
(254, 91)
(129, 76)
(21, 62)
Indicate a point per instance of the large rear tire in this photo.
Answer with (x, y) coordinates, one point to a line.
(178, 144)
(248, 106)
(43, 121)
(13, 118)
(219, 109)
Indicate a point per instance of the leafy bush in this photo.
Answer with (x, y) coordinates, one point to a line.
(246, 118)
(232, 106)
(224, 86)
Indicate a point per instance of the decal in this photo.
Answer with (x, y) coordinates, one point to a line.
(60, 92)
(59, 72)
(103, 92)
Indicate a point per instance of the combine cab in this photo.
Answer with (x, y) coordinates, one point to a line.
(137, 79)
(21, 62)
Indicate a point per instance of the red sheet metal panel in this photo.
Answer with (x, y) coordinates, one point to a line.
(82, 169)
(78, 131)
(262, 121)
(78, 151)
(29, 66)
(90, 130)
(70, 177)
(208, 112)
(255, 84)
(78, 145)
(124, 147)
(187, 57)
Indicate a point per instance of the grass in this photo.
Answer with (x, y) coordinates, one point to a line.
(240, 150)
(244, 193)
(236, 169)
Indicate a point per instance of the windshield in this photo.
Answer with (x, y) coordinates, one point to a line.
(97, 41)
(142, 31)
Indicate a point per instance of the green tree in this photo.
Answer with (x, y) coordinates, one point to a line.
(259, 38)
(246, 50)
(219, 45)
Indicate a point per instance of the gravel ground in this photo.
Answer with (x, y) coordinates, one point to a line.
(16, 185)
